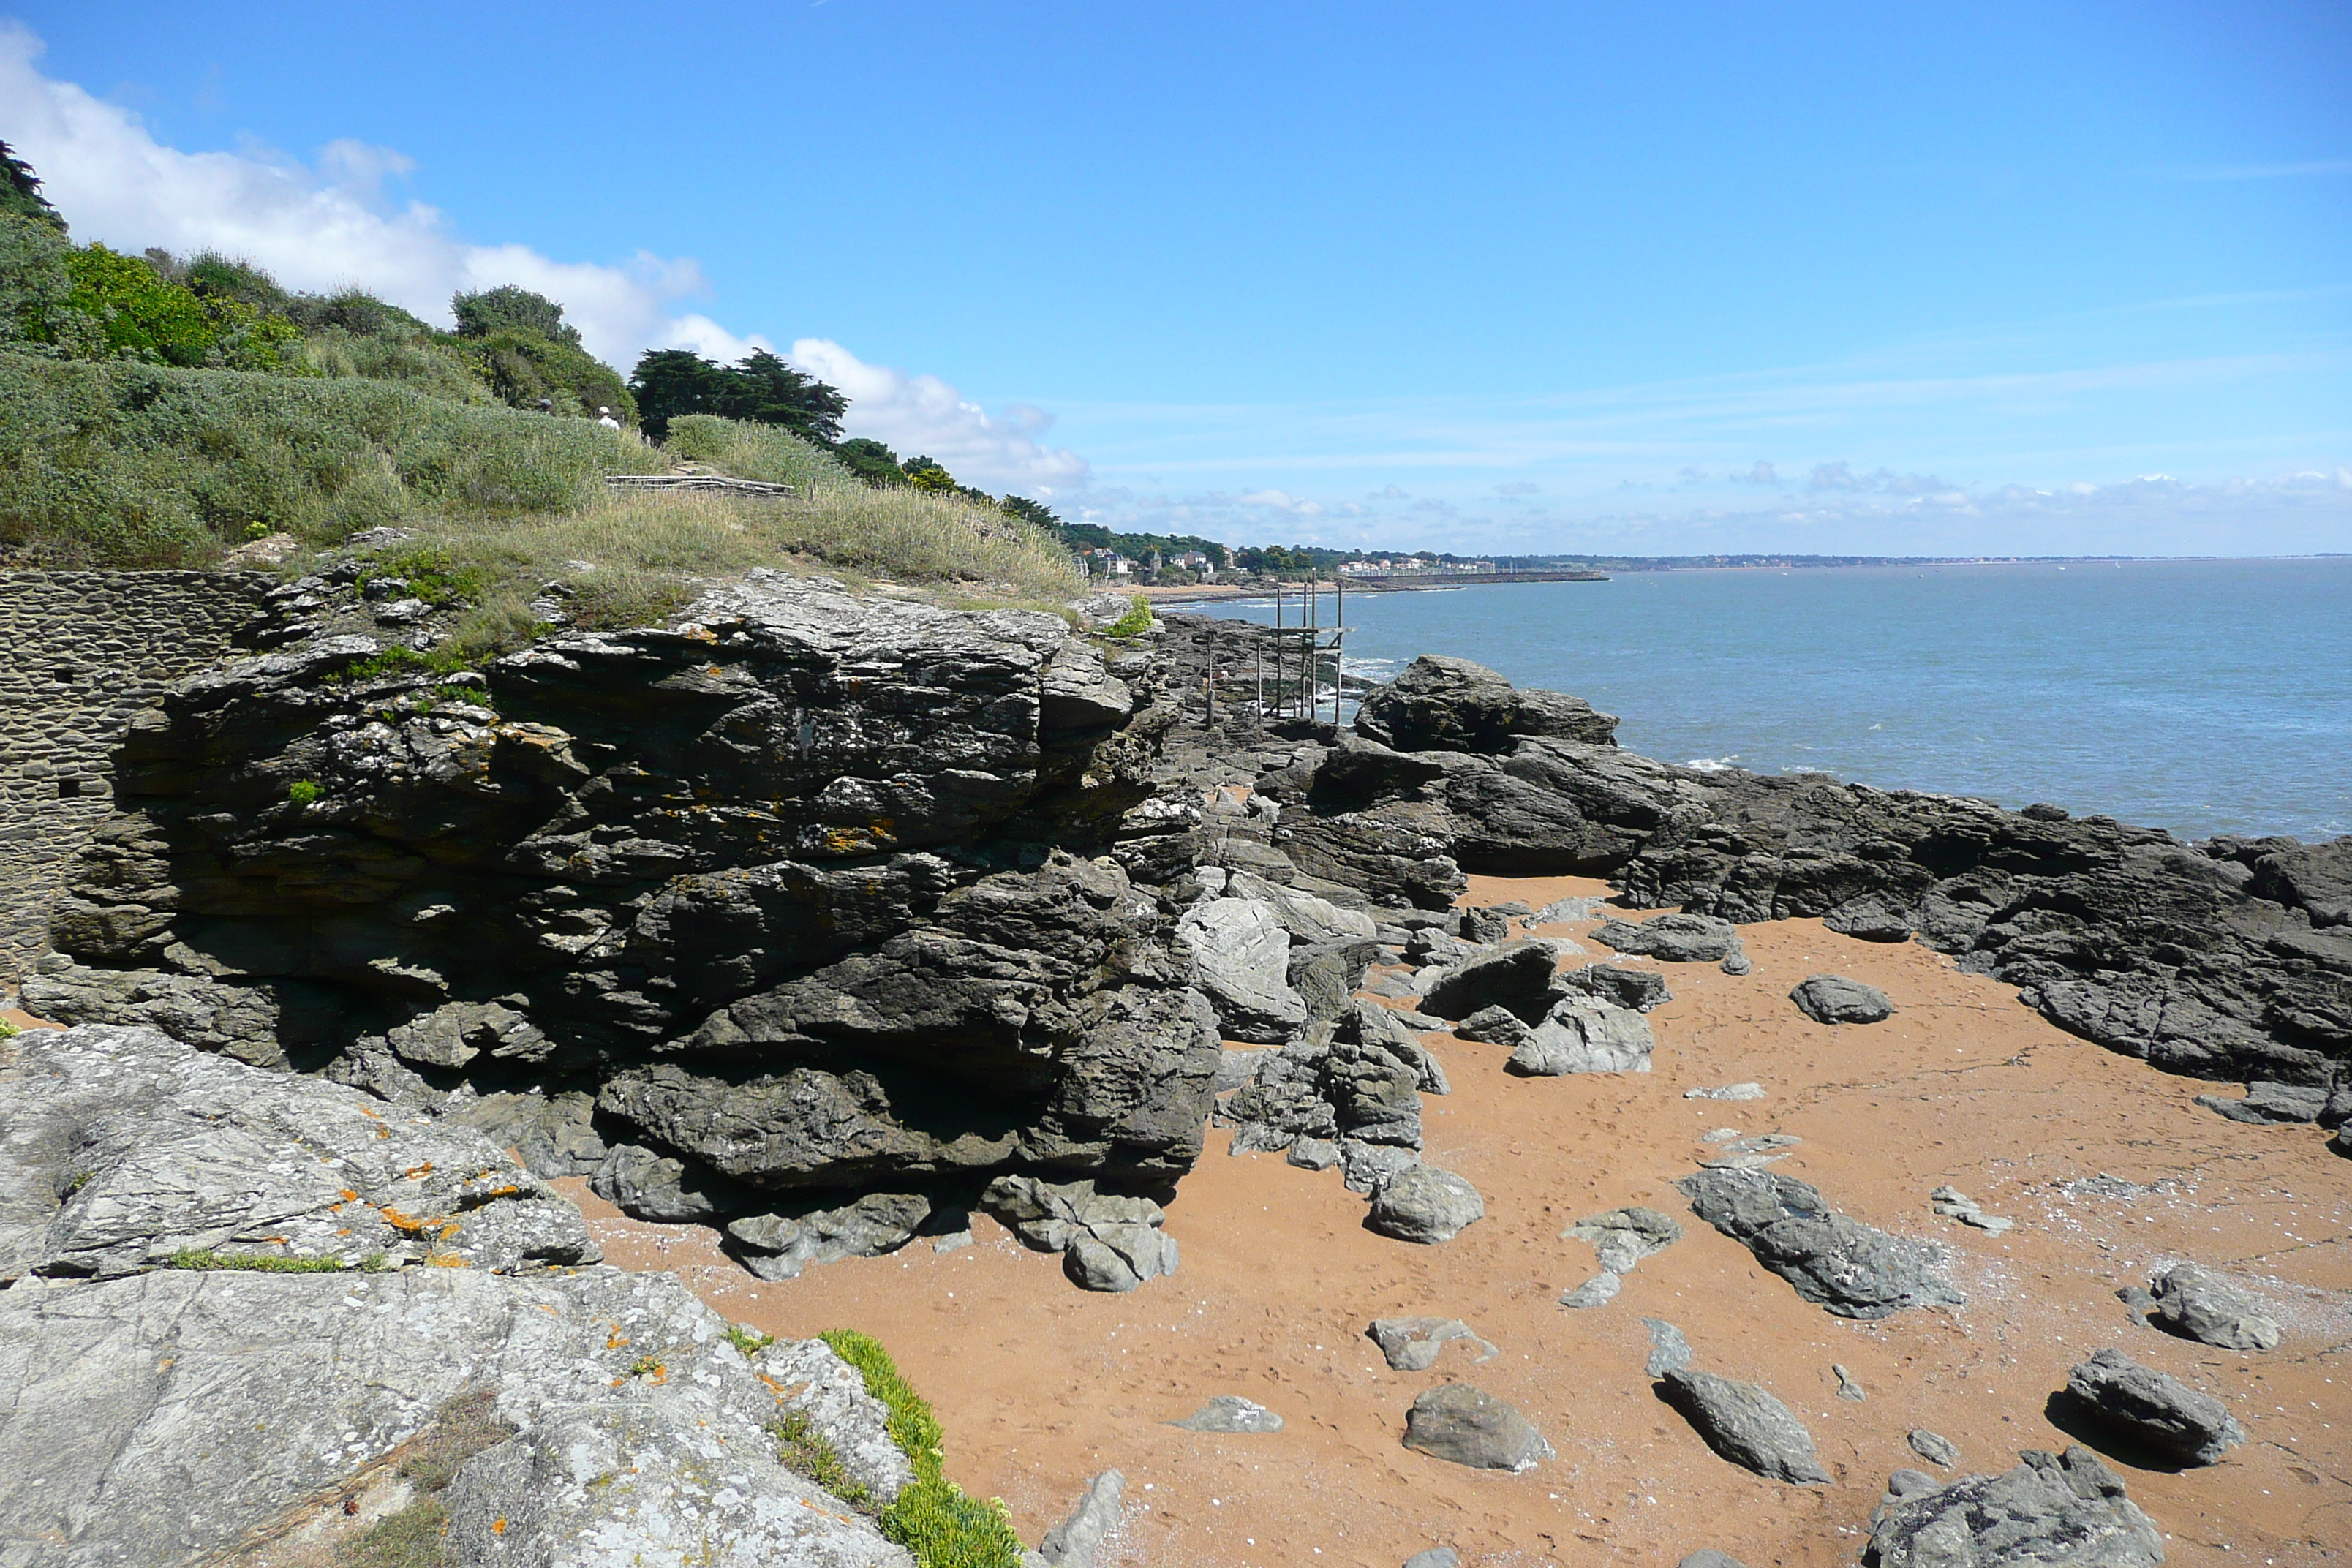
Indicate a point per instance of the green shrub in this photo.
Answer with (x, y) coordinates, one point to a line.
(1135, 623)
(302, 792)
(748, 1340)
(931, 1518)
(809, 1452)
(428, 364)
(34, 282)
(146, 466)
(763, 452)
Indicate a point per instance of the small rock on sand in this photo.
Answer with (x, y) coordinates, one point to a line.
(2198, 1304)
(1708, 1557)
(1748, 1426)
(1230, 1413)
(1954, 1204)
(1834, 999)
(1467, 1426)
(1436, 1557)
(1934, 1447)
(2150, 1409)
(1598, 1290)
(1623, 1237)
(1425, 1205)
(1412, 1344)
(1847, 1387)
(1726, 1091)
(1074, 1542)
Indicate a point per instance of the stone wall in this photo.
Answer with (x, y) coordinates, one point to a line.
(80, 653)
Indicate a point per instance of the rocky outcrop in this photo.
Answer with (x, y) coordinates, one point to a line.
(1441, 704)
(803, 893)
(571, 1420)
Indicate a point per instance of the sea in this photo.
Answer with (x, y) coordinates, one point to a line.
(2206, 697)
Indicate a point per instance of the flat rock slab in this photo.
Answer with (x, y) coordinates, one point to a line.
(1726, 1091)
(1623, 1237)
(1516, 975)
(122, 1149)
(1466, 1425)
(2048, 1511)
(2143, 1408)
(1934, 1447)
(162, 1417)
(1077, 1541)
(1241, 957)
(1834, 999)
(1669, 1350)
(1412, 1344)
(1230, 1413)
(1676, 939)
(1834, 1261)
(1747, 1426)
(2268, 1103)
(1425, 1205)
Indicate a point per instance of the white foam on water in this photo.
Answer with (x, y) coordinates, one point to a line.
(1713, 764)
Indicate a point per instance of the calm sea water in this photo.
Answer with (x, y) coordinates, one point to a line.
(2206, 697)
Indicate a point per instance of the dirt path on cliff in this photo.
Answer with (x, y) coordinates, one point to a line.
(1041, 1385)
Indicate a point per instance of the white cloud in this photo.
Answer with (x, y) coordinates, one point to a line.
(921, 415)
(327, 224)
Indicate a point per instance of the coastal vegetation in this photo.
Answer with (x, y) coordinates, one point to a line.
(932, 1516)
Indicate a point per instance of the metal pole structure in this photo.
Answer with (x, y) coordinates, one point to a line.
(1338, 652)
(1277, 648)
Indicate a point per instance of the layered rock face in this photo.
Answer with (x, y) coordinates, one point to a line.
(788, 887)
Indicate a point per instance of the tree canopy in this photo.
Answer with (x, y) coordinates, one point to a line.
(20, 191)
(758, 389)
(507, 308)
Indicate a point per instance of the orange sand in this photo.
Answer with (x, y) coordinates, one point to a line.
(1040, 1384)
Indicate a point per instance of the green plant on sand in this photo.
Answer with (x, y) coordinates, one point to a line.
(932, 1516)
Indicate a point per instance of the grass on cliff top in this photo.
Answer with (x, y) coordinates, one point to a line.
(932, 1518)
(120, 464)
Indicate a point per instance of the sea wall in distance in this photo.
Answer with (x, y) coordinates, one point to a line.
(80, 653)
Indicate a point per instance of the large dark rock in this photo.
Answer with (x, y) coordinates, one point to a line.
(1441, 704)
(2050, 1511)
(2141, 1408)
(1834, 1261)
(1676, 939)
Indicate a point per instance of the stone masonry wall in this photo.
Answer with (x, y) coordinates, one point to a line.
(80, 653)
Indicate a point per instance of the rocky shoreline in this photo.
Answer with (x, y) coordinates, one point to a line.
(832, 922)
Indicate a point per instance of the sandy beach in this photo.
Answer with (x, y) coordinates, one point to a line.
(1041, 1385)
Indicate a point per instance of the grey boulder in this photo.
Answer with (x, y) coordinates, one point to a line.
(2198, 1304)
(1640, 989)
(122, 1149)
(1412, 1344)
(1436, 1557)
(1834, 999)
(1466, 1425)
(1241, 958)
(1423, 1203)
(656, 1187)
(1230, 1413)
(2264, 1104)
(1675, 938)
(778, 1246)
(1669, 1350)
(1492, 1026)
(1597, 1291)
(2143, 1408)
(1747, 1426)
(1107, 1242)
(1583, 1034)
(2050, 1511)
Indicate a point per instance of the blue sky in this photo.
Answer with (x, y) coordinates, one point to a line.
(1876, 279)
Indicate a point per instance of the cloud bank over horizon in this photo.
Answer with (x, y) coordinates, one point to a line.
(1756, 461)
